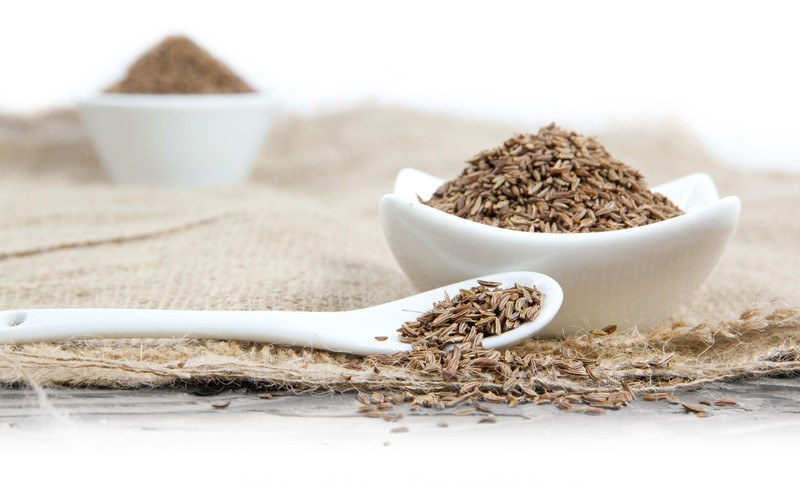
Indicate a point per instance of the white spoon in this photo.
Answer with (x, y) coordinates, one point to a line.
(353, 332)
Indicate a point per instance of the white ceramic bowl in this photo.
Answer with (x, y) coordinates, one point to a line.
(632, 277)
(178, 140)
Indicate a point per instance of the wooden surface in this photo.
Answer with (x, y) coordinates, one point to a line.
(130, 439)
(763, 403)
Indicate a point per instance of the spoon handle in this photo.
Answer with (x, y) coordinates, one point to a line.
(291, 328)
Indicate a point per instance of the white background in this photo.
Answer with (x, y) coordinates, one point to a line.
(727, 70)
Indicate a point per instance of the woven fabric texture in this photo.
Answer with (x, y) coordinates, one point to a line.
(304, 235)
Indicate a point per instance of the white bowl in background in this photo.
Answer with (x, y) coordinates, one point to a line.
(632, 277)
(204, 140)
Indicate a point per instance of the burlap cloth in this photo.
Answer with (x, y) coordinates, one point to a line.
(304, 235)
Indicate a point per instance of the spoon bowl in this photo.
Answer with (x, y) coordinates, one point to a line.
(631, 277)
(359, 332)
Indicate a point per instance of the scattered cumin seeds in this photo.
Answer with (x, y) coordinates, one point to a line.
(608, 330)
(381, 338)
(697, 410)
(399, 430)
(489, 283)
(552, 181)
(725, 403)
(447, 348)
(565, 405)
(489, 419)
(221, 404)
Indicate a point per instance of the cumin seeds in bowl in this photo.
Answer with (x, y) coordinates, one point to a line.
(622, 253)
(552, 181)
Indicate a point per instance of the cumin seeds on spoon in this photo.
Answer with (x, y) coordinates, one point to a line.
(483, 310)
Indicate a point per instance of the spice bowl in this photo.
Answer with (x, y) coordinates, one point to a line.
(202, 140)
(634, 278)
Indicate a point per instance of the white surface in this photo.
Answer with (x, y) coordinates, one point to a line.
(348, 331)
(183, 141)
(86, 437)
(632, 277)
(726, 69)
(217, 449)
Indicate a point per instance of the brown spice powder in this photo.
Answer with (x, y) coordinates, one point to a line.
(553, 181)
(179, 66)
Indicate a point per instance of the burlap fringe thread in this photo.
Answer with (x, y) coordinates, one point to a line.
(762, 342)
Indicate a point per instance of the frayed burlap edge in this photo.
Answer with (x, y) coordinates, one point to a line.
(763, 341)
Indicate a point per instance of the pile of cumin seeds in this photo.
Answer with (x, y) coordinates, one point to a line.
(469, 375)
(177, 65)
(552, 181)
(483, 310)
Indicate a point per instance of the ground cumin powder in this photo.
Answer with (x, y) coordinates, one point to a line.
(179, 66)
(552, 181)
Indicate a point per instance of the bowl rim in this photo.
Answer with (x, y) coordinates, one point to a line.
(732, 201)
(121, 100)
